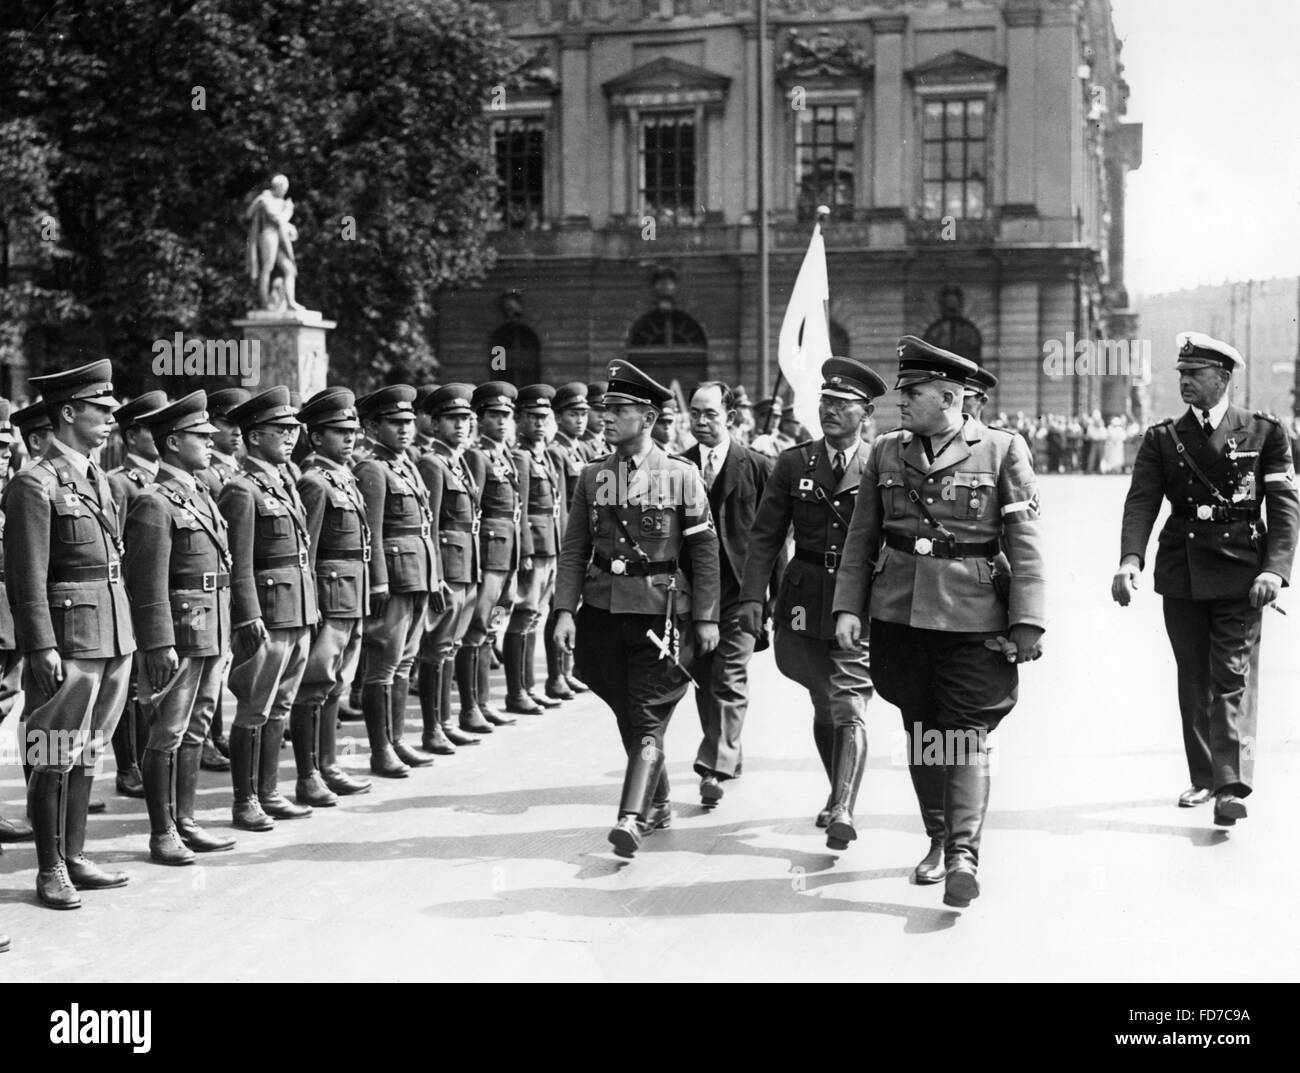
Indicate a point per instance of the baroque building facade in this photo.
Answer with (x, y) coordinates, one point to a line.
(972, 155)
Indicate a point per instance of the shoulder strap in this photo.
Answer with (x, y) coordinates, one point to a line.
(916, 498)
(64, 478)
(1181, 448)
(183, 502)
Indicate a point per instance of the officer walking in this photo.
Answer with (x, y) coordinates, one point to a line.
(735, 478)
(1217, 566)
(454, 506)
(543, 494)
(405, 577)
(177, 571)
(814, 487)
(940, 496)
(127, 481)
(639, 525)
(494, 471)
(340, 551)
(273, 604)
(63, 565)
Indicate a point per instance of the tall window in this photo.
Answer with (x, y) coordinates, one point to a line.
(825, 144)
(520, 145)
(954, 143)
(667, 167)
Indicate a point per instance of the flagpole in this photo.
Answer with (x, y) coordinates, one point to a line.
(764, 312)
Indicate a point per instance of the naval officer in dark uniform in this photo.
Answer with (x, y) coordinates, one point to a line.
(814, 487)
(1218, 565)
(940, 497)
(72, 619)
(641, 555)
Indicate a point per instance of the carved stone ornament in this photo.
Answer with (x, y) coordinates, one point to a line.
(825, 56)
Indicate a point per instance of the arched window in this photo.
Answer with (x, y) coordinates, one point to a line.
(514, 355)
(668, 342)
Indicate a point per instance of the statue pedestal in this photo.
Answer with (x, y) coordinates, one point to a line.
(291, 347)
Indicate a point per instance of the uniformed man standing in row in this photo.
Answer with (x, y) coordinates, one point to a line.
(815, 488)
(133, 476)
(226, 450)
(340, 550)
(1217, 566)
(593, 437)
(405, 576)
(454, 506)
(939, 497)
(641, 556)
(493, 467)
(273, 605)
(569, 457)
(543, 496)
(11, 661)
(63, 565)
(177, 571)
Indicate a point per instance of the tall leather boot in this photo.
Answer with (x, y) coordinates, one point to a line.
(217, 733)
(434, 739)
(46, 798)
(188, 761)
(467, 682)
(640, 781)
(397, 697)
(165, 845)
(966, 801)
(471, 718)
(84, 873)
(304, 729)
(517, 698)
(566, 668)
(556, 685)
(848, 764)
(824, 739)
(483, 690)
(374, 706)
(327, 732)
(245, 759)
(928, 780)
(530, 670)
(274, 803)
(129, 781)
(448, 716)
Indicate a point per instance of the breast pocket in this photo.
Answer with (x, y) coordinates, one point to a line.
(73, 523)
(189, 537)
(272, 522)
(972, 494)
(893, 494)
(343, 517)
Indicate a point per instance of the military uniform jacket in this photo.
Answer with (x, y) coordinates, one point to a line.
(220, 469)
(981, 487)
(543, 494)
(340, 537)
(1214, 546)
(454, 503)
(494, 471)
(802, 492)
(595, 446)
(271, 578)
(127, 481)
(177, 569)
(569, 457)
(63, 562)
(665, 509)
(397, 506)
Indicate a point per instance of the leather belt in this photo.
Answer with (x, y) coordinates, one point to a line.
(1214, 512)
(108, 572)
(270, 562)
(634, 568)
(208, 582)
(472, 530)
(512, 516)
(938, 548)
(828, 559)
(337, 555)
(423, 529)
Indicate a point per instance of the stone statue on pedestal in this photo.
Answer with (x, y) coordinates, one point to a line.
(270, 247)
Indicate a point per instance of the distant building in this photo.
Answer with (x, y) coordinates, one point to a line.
(1258, 317)
(973, 156)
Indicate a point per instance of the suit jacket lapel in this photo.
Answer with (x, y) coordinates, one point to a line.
(729, 475)
(853, 471)
(913, 456)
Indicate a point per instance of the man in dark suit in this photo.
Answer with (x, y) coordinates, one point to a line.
(814, 487)
(735, 477)
(1217, 566)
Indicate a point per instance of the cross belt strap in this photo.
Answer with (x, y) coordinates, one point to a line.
(632, 568)
(1197, 472)
(942, 548)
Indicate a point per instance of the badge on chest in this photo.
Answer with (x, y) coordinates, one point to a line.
(654, 523)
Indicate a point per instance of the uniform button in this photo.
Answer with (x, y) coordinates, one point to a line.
(929, 480)
(334, 573)
(270, 581)
(1226, 535)
(1191, 536)
(76, 514)
(185, 607)
(835, 525)
(67, 603)
(929, 499)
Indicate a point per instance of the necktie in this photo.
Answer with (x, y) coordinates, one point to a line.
(96, 482)
(838, 467)
(1205, 424)
(710, 471)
